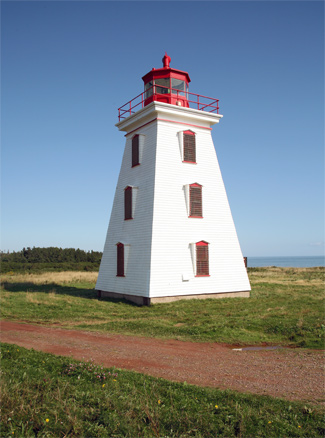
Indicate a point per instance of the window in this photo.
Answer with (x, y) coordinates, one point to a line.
(148, 89)
(195, 200)
(178, 86)
(202, 259)
(128, 203)
(135, 151)
(120, 260)
(189, 147)
(164, 86)
(130, 198)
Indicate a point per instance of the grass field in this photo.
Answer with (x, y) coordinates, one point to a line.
(286, 308)
(52, 396)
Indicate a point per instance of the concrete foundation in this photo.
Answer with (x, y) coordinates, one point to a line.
(145, 301)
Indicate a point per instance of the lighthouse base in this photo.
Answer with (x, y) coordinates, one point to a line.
(146, 301)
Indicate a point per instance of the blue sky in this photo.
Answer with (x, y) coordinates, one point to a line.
(67, 66)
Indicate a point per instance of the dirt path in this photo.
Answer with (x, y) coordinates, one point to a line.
(286, 373)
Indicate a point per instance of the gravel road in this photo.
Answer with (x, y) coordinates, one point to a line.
(293, 374)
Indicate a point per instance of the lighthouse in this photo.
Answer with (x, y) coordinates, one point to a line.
(171, 234)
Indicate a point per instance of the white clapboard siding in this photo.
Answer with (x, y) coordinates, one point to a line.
(159, 256)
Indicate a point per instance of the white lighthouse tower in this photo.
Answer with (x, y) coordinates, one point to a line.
(171, 234)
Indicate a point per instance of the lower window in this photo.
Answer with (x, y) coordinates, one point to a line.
(202, 259)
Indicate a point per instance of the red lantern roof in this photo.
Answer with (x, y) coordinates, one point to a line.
(166, 84)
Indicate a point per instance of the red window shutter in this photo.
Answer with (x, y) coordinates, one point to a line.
(189, 147)
(120, 260)
(135, 151)
(195, 200)
(128, 203)
(202, 258)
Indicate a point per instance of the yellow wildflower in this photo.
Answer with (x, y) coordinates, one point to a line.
(216, 406)
(103, 385)
(47, 420)
(159, 402)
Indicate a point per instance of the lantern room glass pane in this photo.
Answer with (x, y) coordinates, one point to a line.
(178, 86)
(148, 89)
(164, 86)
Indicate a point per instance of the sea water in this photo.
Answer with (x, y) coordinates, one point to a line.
(294, 262)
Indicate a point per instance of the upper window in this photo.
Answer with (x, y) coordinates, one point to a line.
(135, 151)
(202, 259)
(178, 86)
(128, 203)
(189, 147)
(148, 89)
(164, 86)
(120, 260)
(195, 200)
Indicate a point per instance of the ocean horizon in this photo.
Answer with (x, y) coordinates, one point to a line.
(294, 261)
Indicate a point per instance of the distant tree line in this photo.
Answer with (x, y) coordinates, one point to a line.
(50, 259)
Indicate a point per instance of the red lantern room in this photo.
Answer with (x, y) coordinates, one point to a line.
(166, 85)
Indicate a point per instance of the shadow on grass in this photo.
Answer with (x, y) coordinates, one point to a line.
(58, 289)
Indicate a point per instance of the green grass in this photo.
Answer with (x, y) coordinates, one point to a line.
(286, 308)
(52, 396)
